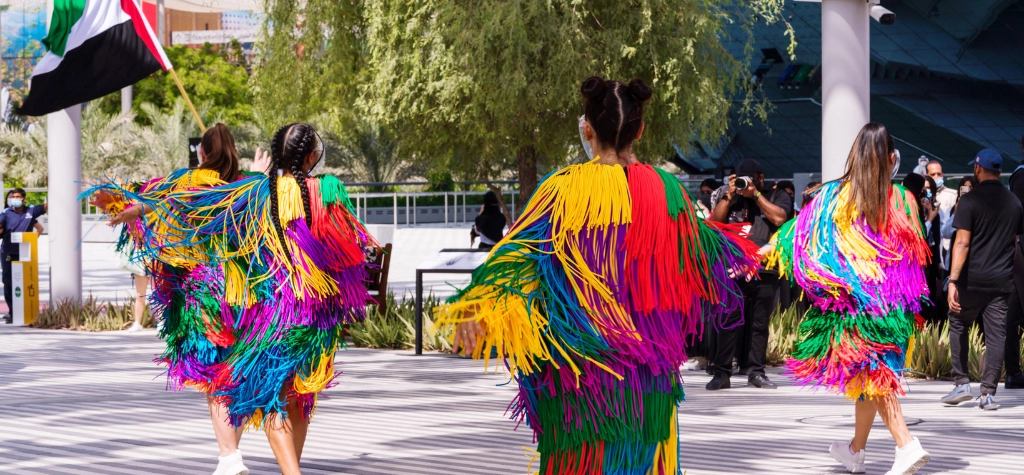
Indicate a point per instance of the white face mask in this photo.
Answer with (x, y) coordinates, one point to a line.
(583, 139)
(15, 202)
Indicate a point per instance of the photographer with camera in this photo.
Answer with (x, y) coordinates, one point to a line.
(745, 200)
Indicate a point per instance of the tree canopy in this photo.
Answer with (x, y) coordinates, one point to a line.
(481, 84)
(212, 76)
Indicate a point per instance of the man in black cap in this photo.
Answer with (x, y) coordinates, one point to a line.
(744, 200)
(988, 223)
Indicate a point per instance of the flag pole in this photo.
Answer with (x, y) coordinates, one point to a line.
(188, 101)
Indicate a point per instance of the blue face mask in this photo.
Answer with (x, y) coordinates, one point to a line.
(15, 202)
(928, 194)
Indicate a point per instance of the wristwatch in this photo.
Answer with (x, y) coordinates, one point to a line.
(954, 281)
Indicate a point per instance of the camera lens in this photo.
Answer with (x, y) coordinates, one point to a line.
(741, 183)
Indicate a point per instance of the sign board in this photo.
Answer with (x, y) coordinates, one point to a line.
(217, 37)
(25, 279)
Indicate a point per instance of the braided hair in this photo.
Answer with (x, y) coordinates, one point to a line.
(615, 109)
(288, 150)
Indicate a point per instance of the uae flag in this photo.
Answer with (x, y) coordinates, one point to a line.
(94, 47)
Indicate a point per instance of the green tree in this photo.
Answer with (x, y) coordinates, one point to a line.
(211, 76)
(471, 83)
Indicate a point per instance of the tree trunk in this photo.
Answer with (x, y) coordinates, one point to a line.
(526, 158)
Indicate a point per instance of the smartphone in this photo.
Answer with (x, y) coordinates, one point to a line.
(964, 190)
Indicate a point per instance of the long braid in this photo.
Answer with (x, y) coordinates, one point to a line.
(306, 146)
(276, 155)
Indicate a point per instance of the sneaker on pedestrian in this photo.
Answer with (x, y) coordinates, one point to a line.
(842, 453)
(959, 394)
(231, 465)
(1015, 382)
(761, 381)
(696, 364)
(135, 327)
(909, 459)
(720, 381)
(987, 403)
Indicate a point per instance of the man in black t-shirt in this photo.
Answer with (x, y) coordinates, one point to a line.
(988, 221)
(764, 211)
(1015, 316)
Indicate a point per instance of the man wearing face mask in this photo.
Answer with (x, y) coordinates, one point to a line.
(17, 218)
(946, 198)
(764, 211)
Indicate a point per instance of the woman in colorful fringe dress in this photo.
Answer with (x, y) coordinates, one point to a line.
(858, 251)
(591, 295)
(196, 329)
(285, 259)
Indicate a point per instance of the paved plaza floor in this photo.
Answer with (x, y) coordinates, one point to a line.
(76, 403)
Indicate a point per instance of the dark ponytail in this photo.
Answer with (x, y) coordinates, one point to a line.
(219, 151)
(614, 109)
(275, 163)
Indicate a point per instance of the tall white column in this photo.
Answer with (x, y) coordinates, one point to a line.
(161, 25)
(846, 80)
(64, 161)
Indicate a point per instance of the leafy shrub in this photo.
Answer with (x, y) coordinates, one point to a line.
(89, 315)
(396, 329)
(783, 330)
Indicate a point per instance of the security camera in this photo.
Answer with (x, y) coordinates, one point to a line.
(882, 15)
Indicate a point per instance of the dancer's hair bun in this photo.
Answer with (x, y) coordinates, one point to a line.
(640, 90)
(593, 88)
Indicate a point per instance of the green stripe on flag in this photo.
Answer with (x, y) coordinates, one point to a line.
(65, 14)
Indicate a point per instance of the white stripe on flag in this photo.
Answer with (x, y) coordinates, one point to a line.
(98, 16)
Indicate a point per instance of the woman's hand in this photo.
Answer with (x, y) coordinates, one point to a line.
(127, 216)
(261, 162)
(467, 335)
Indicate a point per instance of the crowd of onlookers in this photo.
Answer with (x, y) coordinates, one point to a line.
(972, 226)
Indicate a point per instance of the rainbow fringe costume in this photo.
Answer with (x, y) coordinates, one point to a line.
(864, 287)
(588, 300)
(249, 319)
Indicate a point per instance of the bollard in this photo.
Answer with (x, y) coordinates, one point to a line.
(25, 279)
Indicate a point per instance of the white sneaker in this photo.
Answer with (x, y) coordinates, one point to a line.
(135, 327)
(842, 453)
(909, 459)
(231, 465)
(696, 364)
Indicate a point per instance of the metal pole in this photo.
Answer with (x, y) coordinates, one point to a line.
(394, 209)
(419, 312)
(64, 163)
(414, 213)
(465, 219)
(846, 80)
(513, 204)
(446, 209)
(406, 210)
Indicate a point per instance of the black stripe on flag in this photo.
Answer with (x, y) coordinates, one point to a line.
(103, 64)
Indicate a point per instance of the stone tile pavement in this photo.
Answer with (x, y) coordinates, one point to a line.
(78, 403)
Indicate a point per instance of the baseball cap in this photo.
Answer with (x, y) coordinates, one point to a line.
(748, 167)
(988, 159)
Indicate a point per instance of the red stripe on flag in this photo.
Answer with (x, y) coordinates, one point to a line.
(142, 29)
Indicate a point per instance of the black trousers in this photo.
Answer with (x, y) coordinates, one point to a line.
(992, 308)
(1014, 320)
(748, 342)
(8, 287)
